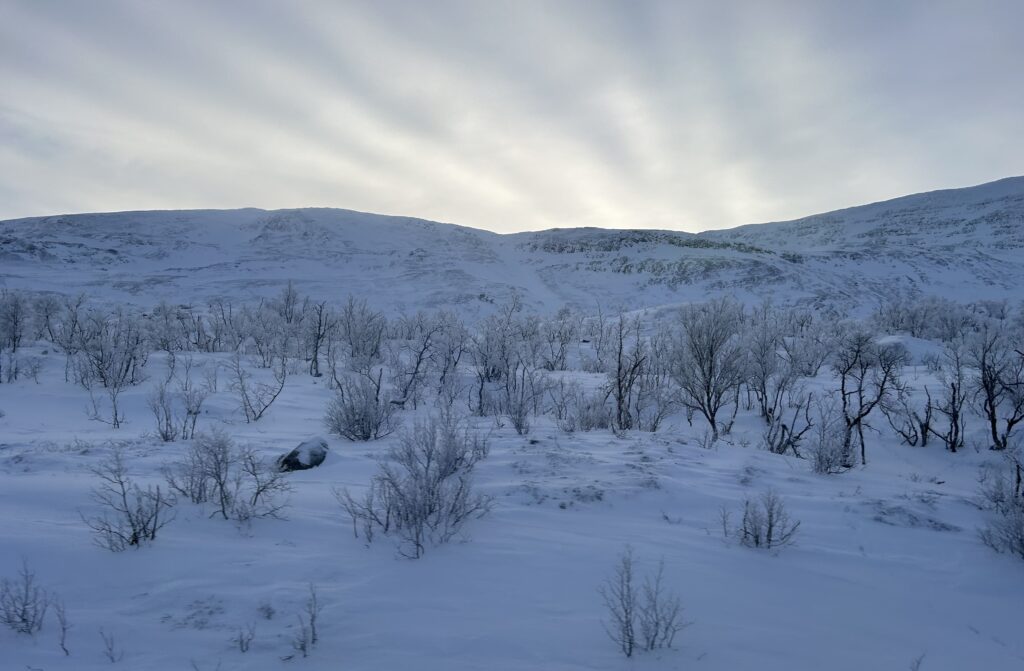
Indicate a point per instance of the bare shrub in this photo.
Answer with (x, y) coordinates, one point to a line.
(620, 596)
(423, 494)
(23, 604)
(829, 452)
(660, 613)
(22, 366)
(255, 398)
(63, 625)
(192, 397)
(786, 434)
(244, 638)
(306, 636)
(645, 617)
(110, 354)
(766, 524)
(524, 387)
(576, 410)
(111, 650)
(1003, 494)
(131, 516)
(359, 410)
(161, 405)
(241, 484)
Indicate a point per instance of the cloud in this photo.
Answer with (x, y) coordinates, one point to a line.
(506, 115)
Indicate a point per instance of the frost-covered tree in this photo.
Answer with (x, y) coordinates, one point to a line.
(868, 372)
(998, 360)
(708, 358)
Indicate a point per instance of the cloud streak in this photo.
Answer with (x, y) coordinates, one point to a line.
(507, 116)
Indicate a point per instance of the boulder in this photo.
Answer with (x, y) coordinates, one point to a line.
(309, 454)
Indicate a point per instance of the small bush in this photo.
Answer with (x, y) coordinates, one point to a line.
(640, 616)
(590, 412)
(423, 493)
(359, 411)
(1002, 495)
(237, 481)
(23, 604)
(766, 524)
(828, 452)
(131, 516)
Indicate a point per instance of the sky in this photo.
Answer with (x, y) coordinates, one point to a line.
(508, 116)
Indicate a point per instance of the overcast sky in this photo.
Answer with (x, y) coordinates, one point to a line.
(506, 115)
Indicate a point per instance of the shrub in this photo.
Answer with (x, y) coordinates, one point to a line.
(131, 516)
(23, 604)
(766, 524)
(423, 493)
(359, 411)
(640, 616)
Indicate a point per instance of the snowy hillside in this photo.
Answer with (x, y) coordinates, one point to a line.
(964, 243)
(270, 482)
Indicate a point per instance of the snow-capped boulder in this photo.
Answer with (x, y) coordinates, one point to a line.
(309, 454)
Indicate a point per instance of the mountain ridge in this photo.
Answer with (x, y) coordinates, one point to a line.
(959, 242)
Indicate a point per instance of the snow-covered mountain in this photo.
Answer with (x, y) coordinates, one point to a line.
(963, 243)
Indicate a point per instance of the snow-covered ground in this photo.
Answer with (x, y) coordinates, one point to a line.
(887, 565)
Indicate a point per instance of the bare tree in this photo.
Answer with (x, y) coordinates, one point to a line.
(828, 451)
(255, 398)
(318, 330)
(950, 405)
(410, 359)
(450, 347)
(524, 386)
(868, 372)
(911, 422)
(361, 330)
(111, 354)
(787, 433)
(494, 349)
(557, 334)
(708, 360)
(999, 384)
(192, 398)
(15, 314)
(630, 358)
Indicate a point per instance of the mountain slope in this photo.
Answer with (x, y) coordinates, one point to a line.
(965, 243)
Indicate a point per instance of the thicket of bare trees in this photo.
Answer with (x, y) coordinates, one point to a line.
(710, 361)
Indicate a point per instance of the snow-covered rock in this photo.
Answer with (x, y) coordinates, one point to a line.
(309, 454)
